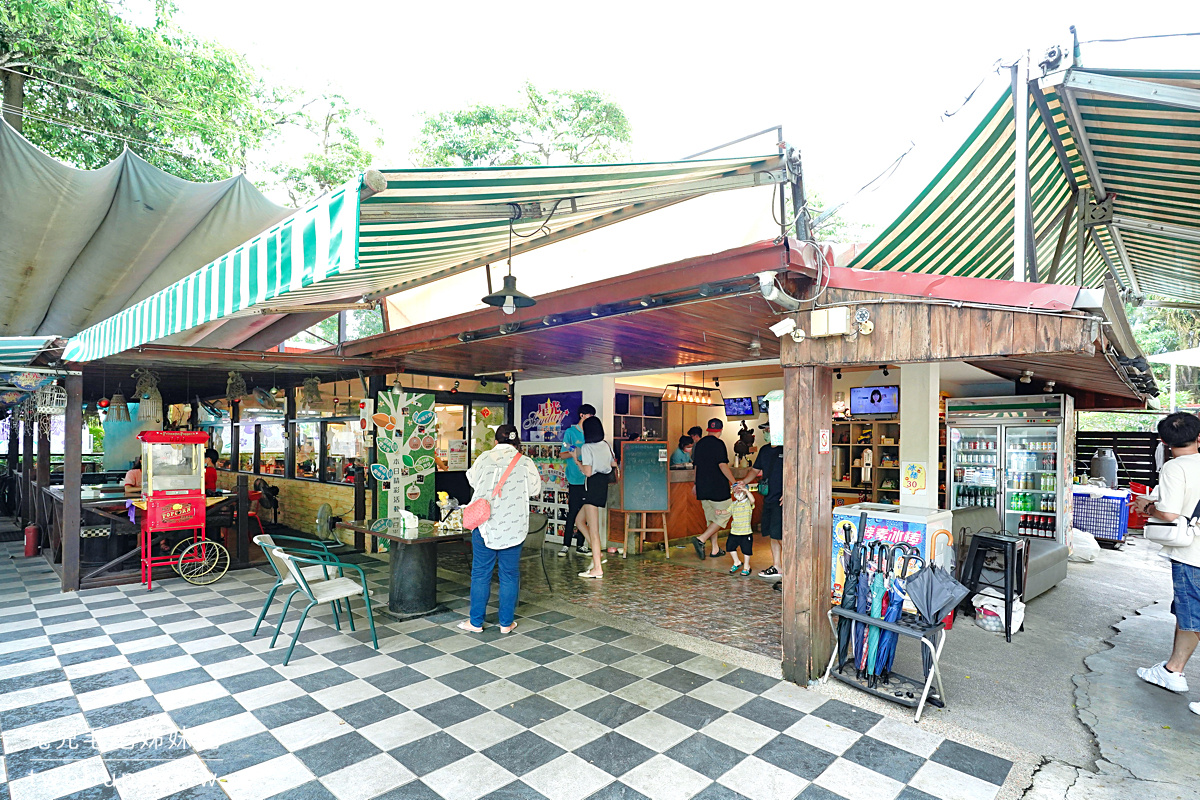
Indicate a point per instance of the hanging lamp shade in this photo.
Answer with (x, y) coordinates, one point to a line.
(509, 298)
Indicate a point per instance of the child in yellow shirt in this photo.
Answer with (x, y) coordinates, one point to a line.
(741, 536)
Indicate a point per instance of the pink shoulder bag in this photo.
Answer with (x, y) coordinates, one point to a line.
(479, 510)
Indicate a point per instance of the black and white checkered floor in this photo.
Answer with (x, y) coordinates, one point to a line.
(120, 693)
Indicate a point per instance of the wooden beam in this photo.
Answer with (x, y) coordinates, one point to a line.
(42, 475)
(807, 522)
(910, 331)
(27, 469)
(72, 481)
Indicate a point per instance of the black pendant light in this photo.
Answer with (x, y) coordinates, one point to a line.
(509, 298)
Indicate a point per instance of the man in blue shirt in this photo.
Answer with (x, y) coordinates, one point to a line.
(682, 457)
(576, 481)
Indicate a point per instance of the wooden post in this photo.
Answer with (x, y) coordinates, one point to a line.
(376, 385)
(27, 505)
(43, 476)
(360, 504)
(72, 480)
(289, 433)
(243, 519)
(235, 436)
(807, 521)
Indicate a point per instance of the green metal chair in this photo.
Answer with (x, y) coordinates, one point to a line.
(306, 547)
(320, 591)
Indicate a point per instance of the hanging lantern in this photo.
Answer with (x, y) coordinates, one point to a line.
(310, 394)
(118, 410)
(102, 402)
(150, 408)
(235, 387)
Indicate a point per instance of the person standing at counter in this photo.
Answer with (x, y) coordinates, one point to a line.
(496, 544)
(576, 482)
(682, 457)
(696, 433)
(597, 461)
(211, 456)
(713, 479)
(768, 468)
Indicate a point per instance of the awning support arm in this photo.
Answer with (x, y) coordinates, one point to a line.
(1063, 232)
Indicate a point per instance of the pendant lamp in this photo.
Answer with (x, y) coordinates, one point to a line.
(508, 299)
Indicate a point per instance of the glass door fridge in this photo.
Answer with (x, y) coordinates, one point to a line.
(974, 465)
(1032, 490)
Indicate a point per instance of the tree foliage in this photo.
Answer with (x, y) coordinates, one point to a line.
(339, 152)
(83, 83)
(545, 127)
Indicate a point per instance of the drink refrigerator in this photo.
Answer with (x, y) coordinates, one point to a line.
(1015, 454)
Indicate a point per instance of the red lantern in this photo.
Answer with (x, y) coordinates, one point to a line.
(103, 402)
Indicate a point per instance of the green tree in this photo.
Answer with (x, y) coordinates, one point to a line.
(339, 153)
(544, 127)
(82, 84)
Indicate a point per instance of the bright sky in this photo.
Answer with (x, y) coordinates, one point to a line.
(853, 84)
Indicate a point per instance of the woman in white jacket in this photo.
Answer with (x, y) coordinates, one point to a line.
(497, 542)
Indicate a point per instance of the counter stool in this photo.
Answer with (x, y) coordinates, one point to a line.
(1015, 551)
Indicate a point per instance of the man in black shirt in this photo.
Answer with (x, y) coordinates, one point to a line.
(713, 478)
(768, 468)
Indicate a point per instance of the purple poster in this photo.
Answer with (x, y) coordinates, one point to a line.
(544, 417)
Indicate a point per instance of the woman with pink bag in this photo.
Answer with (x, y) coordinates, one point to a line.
(503, 481)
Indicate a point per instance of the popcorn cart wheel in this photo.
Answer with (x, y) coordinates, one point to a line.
(202, 562)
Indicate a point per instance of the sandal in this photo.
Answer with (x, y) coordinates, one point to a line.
(718, 554)
(745, 572)
(699, 545)
(734, 568)
(510, 628)
(466, 625)
(588, 574)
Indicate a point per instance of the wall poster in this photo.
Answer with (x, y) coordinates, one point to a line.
(406, 438)
(544, 419)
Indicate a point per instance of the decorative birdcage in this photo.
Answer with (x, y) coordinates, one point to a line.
(51, 400)
(150, 406)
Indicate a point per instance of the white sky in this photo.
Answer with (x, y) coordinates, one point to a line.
(853, 84)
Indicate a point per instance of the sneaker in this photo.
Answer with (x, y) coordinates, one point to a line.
(1159, 676)
(562, 551)
(769, 572)
(583, 550)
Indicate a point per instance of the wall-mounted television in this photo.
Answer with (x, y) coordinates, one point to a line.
(762, 404)
(879, 400)
(740, 407)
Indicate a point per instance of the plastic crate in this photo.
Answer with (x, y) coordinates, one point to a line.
(1106, 517)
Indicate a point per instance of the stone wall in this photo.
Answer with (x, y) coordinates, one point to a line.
(299, 500)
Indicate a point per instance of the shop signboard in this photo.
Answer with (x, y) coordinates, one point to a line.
(406, 428)
(545, 417)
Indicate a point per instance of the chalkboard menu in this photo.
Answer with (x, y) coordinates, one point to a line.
(644, 467)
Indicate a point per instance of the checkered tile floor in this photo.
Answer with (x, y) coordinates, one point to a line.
(120, 693)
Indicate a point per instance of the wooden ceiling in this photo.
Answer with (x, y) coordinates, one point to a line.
(1090, 379)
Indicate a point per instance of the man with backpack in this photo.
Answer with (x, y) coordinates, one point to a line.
(1179, 495)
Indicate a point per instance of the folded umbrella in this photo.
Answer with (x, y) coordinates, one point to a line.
(878, 590)
(849, 601)
(935, 593)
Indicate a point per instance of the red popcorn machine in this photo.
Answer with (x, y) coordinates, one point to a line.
(173, 501)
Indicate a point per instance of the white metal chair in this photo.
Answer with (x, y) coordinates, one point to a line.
(318, 591)
(305, 547)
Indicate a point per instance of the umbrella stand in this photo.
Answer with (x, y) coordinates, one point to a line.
(911, 692)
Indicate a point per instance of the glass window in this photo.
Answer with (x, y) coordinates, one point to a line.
(246, 448)
(219, 439)
(272, 448)
(343, 449)
(308, 443)
(451, 447)
(485, 418)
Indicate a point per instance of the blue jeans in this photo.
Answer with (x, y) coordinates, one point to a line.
(483, 560)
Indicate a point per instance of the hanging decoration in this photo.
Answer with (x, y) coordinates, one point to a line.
(11, 398)
(235, 387)
(118, 409)
(178, 414)
(29, 380)
(91, 413)
(310, 394)
(51, 400)
(150, 406)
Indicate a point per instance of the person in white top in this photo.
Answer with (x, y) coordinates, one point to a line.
(1179, 495)
(496, 544)
(597, 462)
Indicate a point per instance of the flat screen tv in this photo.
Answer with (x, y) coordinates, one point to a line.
(740, 407)
(867, 400)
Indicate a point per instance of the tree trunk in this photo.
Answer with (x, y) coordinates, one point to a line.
(14, 98)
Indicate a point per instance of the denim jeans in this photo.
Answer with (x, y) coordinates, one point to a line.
(483, 561)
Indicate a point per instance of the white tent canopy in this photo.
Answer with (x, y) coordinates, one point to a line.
(77, 246)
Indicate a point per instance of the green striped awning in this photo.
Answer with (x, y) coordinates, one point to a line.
(1135, 135)
(410, 227)
(21, 351)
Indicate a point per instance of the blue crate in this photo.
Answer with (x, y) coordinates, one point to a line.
(1106, 518)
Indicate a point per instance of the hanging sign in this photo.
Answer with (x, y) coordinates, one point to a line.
(912, 479)
(823, 442)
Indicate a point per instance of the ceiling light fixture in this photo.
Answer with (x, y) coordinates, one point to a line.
(1049, 387)
(1026, 376)
(838, 374)
(885, 370)
(695, 395)
(618, 362)
(509, 298)
(596, 311)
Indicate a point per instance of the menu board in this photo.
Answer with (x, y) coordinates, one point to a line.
(406, 439)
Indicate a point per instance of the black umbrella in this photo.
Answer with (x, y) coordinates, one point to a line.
(935, 593)
(852, 564)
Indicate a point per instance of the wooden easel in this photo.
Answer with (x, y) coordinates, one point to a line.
(641, 530)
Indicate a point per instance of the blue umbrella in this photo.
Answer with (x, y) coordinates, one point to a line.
(895, 606)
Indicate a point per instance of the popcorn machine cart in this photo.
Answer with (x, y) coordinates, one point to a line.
(173, 502)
